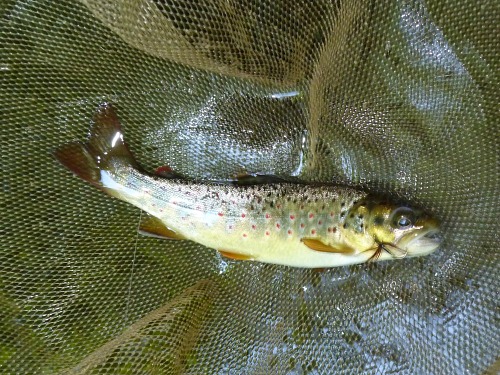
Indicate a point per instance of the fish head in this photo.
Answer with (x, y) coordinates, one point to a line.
(398, 228)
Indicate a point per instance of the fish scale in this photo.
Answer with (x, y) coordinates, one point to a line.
(248, 212)
(282, 223)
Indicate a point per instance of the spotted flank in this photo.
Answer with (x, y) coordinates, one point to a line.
(258, 218)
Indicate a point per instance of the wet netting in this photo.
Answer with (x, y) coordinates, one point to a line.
(399, 97)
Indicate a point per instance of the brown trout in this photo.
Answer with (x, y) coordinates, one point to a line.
(314, 226)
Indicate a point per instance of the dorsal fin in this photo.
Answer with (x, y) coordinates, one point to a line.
(318, 245)
(245, 179)
(154, 227)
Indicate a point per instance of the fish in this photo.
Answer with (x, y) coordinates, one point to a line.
(270, 221)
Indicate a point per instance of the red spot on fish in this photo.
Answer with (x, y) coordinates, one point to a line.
(254, 227)
(243, 215)
(313, 231)
(289, 231)
(311, 216)
(244, 234)
(301, 206)
(302, 225)
(329, 230)
(163, 170)
(332, 214)
(278, 206)
(292, 217)
(320, 222)
(268, 216)
(278, 225)
(334, 230)
(220, 214)
(267, 233)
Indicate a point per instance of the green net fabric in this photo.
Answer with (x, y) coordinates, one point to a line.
(398, 97)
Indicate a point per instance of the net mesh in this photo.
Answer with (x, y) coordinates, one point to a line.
(395, 96)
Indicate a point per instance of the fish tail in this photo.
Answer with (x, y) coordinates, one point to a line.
(104, 150)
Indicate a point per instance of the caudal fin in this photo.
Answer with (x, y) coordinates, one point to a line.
(104, 147)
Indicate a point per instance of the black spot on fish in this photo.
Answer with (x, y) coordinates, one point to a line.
(360, 216)
(378, 220)
(342, 204)
(342, 214)
(271, 204)
(351, 215)
(345, 225)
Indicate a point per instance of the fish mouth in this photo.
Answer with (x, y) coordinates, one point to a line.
(421, 243)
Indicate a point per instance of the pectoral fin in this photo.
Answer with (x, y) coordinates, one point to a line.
(234, 256)
(318, 245)
(154, 227)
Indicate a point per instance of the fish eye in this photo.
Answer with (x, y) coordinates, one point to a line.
(404, 221)
(403, 218)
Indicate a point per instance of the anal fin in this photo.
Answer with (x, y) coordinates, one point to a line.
(154, 227)
(234, 256)
(318, 245)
